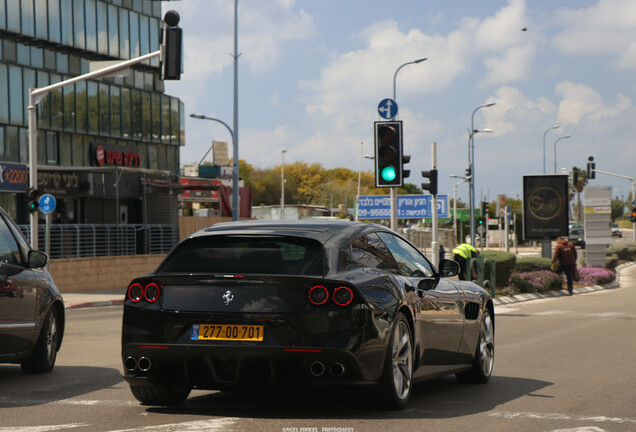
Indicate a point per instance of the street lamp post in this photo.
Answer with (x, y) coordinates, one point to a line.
(471, 163)
(463, 180)
(359, 171)
(282, 185)
(393, 190)
(235, 183)
(555, 147)
(544, 133)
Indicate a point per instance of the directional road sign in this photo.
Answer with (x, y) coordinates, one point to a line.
(47, 203)
(387, 108)
(409, 206)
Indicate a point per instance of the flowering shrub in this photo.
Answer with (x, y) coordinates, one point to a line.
(595, 276)
(536, 281)
(546, 280)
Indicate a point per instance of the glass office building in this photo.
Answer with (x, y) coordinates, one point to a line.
(107, 149)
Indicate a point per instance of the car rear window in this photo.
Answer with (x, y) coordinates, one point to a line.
(246, 254)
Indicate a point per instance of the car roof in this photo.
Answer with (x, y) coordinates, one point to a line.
(321, 230)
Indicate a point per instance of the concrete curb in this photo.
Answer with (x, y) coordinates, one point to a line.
(95, 304)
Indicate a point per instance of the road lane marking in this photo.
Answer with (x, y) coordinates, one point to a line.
(212, 425)
(557, 416)
(43, 428)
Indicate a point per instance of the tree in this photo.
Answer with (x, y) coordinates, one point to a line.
(578, 187)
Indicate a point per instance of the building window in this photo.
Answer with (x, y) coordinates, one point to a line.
(51, 148)
(16, 113)
(41, 20)
(79, 20)
(54, 20)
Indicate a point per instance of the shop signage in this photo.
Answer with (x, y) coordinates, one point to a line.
(107, 155)
(13, 177)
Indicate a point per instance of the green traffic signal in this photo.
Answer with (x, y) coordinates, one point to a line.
(388, 174)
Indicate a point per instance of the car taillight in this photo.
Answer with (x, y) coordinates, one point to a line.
(318, 295)
(342, 296)
(137, 292)
(151, 292)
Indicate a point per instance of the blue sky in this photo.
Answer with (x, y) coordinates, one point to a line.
(311, 74)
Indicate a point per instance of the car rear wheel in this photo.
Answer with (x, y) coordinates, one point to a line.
(159, 395)
(485, 355)
(45, 352)
(398, 367)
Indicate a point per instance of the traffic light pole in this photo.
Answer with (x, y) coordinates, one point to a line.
(35, 97)
(434, 241)
(633, 180)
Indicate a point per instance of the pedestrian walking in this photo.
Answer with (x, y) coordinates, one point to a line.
(565, 259)
(442, 252)
(462, 253)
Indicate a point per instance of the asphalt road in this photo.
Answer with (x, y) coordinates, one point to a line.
(562, 364)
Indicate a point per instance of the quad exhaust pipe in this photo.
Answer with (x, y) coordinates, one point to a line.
(318, 369)
(131, 364)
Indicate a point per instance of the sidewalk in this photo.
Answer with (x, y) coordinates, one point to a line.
(116, 297)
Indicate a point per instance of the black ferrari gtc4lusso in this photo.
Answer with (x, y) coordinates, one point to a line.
(304, 303)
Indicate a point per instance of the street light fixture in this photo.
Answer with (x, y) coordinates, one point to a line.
(555, 147)
(393, 190)
(471, 164)
(556, 126)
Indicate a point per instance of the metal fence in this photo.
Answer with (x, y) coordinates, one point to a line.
(86, 240)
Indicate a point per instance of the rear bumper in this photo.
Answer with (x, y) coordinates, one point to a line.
(223, 367)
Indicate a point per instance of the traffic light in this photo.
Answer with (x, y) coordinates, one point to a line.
(484, 209)
(405, 159)
(575, 177)
(633, 218)
(171, 43)
(431, 186)
(467, 172)
(33, 195)
(591, 167)
(388, 154)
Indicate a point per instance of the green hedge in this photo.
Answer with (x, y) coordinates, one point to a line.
(530, 264)
(504, 266)
(626, 252)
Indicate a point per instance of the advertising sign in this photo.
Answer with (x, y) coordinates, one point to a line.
(13, 177)
(545, 206)
(409, 206)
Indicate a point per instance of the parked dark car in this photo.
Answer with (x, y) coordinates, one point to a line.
(577, 237)
(249, 304)
(31, 307)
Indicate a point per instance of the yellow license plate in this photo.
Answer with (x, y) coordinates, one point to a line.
(253, 333)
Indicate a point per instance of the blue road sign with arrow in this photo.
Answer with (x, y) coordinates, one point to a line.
(387, 108)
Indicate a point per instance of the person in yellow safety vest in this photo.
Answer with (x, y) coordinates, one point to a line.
(461, 253)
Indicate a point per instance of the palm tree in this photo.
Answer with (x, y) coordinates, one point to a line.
(579, 181)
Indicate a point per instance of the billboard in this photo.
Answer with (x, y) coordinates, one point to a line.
(545, 206)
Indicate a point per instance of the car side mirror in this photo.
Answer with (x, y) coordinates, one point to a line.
(37, 259)
(448, 268)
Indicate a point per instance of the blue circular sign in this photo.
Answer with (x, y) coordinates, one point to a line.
(387, 108)
(47, 203)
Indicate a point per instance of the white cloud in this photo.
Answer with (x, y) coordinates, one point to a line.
(580, 101)
(264, 27)
(608, 27)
